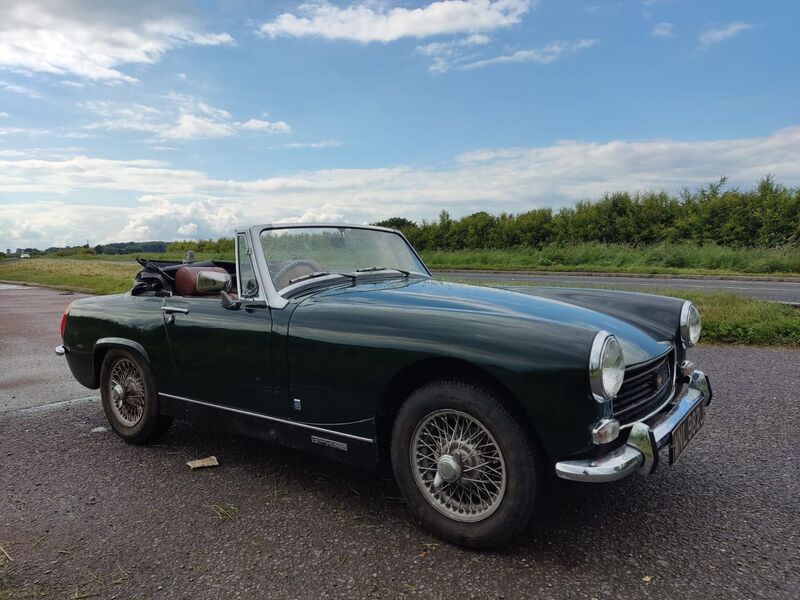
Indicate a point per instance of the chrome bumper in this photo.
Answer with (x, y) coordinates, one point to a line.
(640, 453)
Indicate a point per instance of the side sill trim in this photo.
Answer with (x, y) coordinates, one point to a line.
(268, 418)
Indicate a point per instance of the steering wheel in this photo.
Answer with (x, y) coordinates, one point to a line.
(295, 268)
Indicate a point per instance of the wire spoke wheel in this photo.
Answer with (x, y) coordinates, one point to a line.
(126, 390)
(458, 465)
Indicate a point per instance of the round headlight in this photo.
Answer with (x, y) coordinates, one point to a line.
(606, 367)
(690, 324)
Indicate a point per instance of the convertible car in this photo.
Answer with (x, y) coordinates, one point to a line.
(336, 339)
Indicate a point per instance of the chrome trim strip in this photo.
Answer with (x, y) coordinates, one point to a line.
(268, 418)
(169, 310)
(650, 361)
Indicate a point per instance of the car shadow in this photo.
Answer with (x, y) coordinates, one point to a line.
(575, 519)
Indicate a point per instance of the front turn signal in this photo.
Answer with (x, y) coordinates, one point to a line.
(605, 431)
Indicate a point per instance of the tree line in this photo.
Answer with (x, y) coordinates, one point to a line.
(767, 215)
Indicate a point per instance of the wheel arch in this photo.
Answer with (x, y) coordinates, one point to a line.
(401, 386)
(103, 345)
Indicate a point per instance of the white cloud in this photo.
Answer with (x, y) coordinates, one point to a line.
(543, 56)
(4, 114)
(268, 126)
(505, 179)
(180, 117)
(714, 35)
(190, 127)
(367, 22)
(19, 89)
(295, 145)
(444, 54)
(91, 40)
(188, 229)
(27, 131)
(662, 30)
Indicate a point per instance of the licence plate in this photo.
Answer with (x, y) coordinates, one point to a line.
(686, 430)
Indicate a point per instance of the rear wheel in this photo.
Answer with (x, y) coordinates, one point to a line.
(465, 465)
(130, 399)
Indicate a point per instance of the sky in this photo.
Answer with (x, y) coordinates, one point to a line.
(163, 120)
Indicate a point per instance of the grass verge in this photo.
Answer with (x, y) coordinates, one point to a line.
(89, 276)
(732, 319)
(678, 259)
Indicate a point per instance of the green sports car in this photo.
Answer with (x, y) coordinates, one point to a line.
(336, 339)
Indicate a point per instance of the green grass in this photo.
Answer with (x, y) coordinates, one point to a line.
(731, 319)
(93, 277)
(676, 259)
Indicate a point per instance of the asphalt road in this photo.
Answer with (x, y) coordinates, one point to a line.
(776, 291)
(85, 515)
(30, 373)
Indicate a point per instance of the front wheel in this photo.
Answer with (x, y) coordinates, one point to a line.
(465, 465)
(130, 399)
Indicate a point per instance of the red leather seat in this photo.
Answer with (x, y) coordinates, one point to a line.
(186, 280)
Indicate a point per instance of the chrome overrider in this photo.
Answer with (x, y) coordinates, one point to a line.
(640, 452)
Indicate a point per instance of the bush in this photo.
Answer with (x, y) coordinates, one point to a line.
(711, 217)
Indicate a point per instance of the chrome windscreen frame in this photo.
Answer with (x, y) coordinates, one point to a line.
(263, 289)
(274, 299)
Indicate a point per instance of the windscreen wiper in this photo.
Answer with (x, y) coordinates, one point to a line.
(378, 268)
(316, 274)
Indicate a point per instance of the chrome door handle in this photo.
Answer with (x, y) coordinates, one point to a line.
(171, 310)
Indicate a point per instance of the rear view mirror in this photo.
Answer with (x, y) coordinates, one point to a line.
(212, 282)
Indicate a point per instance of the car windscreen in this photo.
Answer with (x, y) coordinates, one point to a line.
(293, 253)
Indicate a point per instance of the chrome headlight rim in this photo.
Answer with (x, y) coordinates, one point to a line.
(691, 328)
(602, 341)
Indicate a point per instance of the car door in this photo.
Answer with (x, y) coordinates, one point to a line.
(223, 356)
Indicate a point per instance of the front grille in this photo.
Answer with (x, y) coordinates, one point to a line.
(645, 388)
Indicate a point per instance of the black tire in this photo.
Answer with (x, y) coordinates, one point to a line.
(151, 424)
(523, 463)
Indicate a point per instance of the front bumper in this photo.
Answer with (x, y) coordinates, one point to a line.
(640, 452)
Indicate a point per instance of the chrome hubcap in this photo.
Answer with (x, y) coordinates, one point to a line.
(448, 469)
(127, 392)
(458, 465)
(117, 393)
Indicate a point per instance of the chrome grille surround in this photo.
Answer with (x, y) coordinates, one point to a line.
(646, 389)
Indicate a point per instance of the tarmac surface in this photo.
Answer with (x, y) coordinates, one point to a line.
(759, 289)
(86, 516)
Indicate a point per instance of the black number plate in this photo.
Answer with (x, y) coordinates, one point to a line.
(686, 430)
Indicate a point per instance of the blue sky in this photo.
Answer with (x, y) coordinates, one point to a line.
(165, 120)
